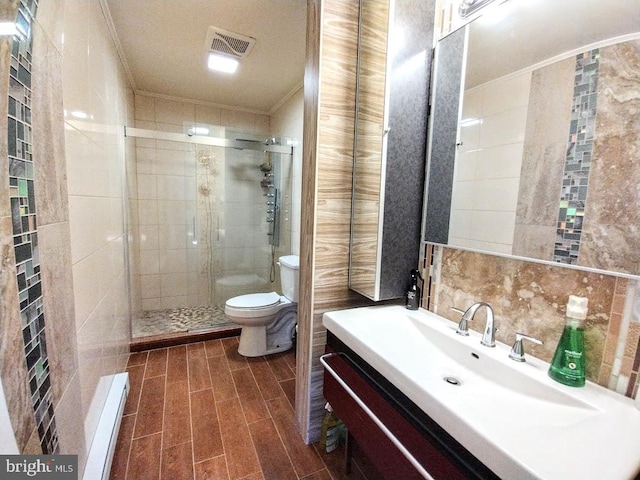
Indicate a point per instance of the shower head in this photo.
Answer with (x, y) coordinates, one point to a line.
(265, 167)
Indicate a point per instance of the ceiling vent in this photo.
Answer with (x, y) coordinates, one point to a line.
(228, 43)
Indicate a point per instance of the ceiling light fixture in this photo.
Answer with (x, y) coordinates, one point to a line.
(198, 131)
(469, 122)
(222, 63)
(8, 28)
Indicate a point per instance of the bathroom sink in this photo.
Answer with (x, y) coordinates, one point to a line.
(472, 362)
(510, 415)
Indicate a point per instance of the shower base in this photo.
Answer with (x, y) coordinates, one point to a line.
(179, 320)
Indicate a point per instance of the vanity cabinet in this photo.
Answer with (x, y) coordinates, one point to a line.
(394, 65)
(348, 377)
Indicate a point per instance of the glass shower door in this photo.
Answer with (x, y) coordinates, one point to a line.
(211, 212)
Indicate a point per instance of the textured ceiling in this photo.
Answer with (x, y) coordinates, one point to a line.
(163, 42)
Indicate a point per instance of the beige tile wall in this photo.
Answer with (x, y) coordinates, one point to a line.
(175, 186)
(487, 174)
(288, 121)
(97, 104)
(82, 256)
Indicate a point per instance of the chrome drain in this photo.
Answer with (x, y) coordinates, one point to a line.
(452, 381)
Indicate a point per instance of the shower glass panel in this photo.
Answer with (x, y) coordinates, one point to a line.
(212, 218)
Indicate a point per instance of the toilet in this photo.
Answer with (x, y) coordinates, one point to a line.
(268, 320)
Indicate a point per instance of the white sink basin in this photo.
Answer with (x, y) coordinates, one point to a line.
(510, 415)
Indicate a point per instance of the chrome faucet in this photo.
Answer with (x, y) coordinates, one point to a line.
(489, 335)
(517, 351)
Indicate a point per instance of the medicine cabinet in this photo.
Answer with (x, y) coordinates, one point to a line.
(394, 63)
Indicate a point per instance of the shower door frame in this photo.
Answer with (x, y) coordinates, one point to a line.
(202, 140)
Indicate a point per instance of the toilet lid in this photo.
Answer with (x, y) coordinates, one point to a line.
(254, 300)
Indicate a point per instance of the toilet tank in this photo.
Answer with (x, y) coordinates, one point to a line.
(289, 276)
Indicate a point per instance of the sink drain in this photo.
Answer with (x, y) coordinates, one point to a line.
(452, 380)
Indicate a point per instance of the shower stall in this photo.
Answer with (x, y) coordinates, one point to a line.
(209, 216)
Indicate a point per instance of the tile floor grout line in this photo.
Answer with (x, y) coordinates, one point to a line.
(135, 421)
(133, 431)
(164, 410)
(246, 422)
(236, 398)
(188, 374)
(193, 443)
(224, 450)
(286, 450)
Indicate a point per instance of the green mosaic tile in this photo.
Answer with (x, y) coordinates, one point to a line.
(22, 187)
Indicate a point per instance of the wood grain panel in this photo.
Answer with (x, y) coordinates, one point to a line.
(156, 363)
(177, 423)
(265, 378)
(149, 417)
(304, 458)
(123, 445)
(251, 400)
(144, 460)
(198, 368)
(212, 469)
(176, 364)
(138, 358)
(213, 348)
(330, 80)
(177, 463)
(235, 360)
(274, 460)
(281, 368)
(207, 437)
(221, 380)
(136, 375)
(368, 166)
(238, 447)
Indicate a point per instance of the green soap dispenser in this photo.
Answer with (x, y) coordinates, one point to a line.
(568, 365)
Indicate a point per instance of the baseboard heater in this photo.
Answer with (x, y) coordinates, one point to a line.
(100, 456)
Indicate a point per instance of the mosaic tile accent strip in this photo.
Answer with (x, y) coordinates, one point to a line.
(575, 181)
(25, 235)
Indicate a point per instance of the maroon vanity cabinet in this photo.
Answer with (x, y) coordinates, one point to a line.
(383, 412)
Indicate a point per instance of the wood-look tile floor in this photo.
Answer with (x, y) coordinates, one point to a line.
(202, 411)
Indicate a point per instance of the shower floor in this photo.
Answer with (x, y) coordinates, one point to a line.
(176, 320)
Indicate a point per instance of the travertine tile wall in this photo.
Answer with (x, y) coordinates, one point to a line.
(613, 206)
(531, 298)
(543, 159)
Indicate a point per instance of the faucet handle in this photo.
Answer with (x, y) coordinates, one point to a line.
(463, 328)
(517, 351)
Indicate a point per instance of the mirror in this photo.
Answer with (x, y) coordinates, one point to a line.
(545, 163)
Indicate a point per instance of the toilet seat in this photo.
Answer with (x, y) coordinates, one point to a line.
(255, 305)
(254, 300)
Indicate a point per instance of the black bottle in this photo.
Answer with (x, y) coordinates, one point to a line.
(413, 293)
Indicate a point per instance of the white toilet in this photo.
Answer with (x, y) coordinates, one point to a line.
(268, 320)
